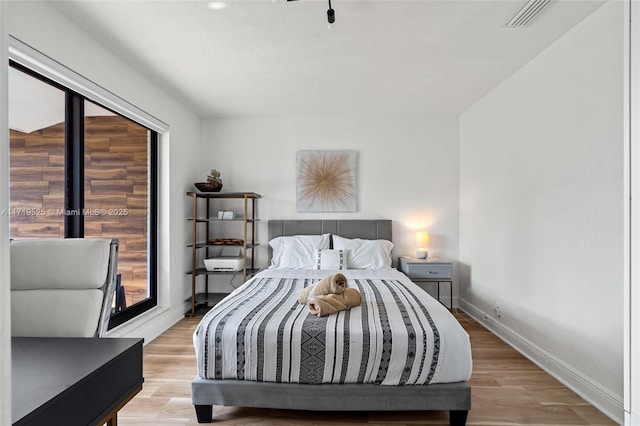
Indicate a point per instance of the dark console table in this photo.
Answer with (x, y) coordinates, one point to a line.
(73, 381)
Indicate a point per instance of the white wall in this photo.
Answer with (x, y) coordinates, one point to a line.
(5, 309)
(541, 220)
(632, 308)
(407, 170)
(41, 26)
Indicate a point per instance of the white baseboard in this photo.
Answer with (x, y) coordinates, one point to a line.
(603, 399)
(148, 325)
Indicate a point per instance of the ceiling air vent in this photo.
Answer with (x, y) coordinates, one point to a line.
(528, 13)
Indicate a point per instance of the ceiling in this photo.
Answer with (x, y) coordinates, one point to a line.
(279, 58)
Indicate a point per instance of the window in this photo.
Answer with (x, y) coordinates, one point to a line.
(36, 152)
(78, 169)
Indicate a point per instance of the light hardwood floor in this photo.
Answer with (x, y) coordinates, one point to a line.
(507, 389)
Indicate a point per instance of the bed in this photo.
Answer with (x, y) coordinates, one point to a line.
(399, 350)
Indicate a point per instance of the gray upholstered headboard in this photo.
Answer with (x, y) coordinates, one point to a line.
(365, 229)
(355, 228)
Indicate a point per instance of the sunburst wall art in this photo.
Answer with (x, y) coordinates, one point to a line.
(326, 181)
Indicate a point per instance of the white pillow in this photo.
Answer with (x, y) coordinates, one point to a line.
(331, 259)
(297, 251)
(365, 254)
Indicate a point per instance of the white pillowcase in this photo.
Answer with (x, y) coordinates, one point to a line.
(297, 251)
(365, 254)
(331, 259)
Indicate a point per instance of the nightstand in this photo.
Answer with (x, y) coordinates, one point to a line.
(431, 269)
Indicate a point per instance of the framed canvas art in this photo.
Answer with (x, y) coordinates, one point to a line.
(326, 181)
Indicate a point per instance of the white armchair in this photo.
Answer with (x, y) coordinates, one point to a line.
(62, 287)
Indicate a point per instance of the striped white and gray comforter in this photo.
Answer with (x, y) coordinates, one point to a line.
(399, 335)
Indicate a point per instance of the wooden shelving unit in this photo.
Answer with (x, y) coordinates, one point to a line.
(204, 226)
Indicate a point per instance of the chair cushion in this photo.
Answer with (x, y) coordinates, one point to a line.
(73, 263)
(55, 313)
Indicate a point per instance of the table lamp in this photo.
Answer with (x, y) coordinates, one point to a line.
(422, 241)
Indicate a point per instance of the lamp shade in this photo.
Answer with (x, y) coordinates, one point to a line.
(422, 239)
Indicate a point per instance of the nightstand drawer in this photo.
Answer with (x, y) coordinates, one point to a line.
(436, 271)
(426, 269)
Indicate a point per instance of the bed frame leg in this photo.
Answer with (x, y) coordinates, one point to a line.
(204, 413)
(458, 417)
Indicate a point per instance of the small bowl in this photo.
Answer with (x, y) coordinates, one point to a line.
(208, 186)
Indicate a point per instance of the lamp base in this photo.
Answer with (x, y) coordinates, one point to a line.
(422, 254)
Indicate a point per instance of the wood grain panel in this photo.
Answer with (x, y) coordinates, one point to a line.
(131, 257)
(38, 230)
(119, 228)
(96, 229)
(126, 271)
(94, 144)
(137, 243)
(137, 201)
(25, 159)
(26, 196)
(16, 140)
(140, 189)
(140, 272)
(52, 201)
(135, 215)
(103, 220)
(140, 157)
(138, 173)
(21, 174)
(29, 186)
(53, 174)
(110, 159)
(56, 160)
(126, 148)
(104, 201)
(113, 126)
(106, 174)
(56, 186)
(40, 145)
(111, 186)
(55, 131)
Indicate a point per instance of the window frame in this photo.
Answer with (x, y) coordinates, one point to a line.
(74, 185)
